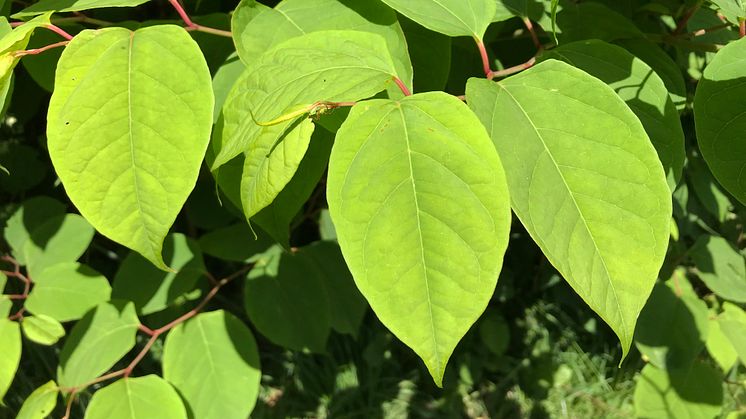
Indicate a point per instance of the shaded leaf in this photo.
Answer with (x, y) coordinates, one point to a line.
(136, 398)
(30, 215)
(66, 291)
(73, 6)
(693, 392)
(733, 325)
(720, 267)
(63, 238)
(449, 17)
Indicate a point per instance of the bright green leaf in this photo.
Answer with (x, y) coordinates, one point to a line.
(257, 28)
(27, 218)
(100, 339)
(129, 122)
(692, 392)
(719, 117)
(6, 305)
(673, 326)
(15, 41)
(73, 6)
(66, 291)
(439, 203)
(10, 347)
(733, 325)
(41, 67)
(40, 403)
(213, 362)
(733, 10)
(286, 301)
(152, 289)
(63, 238)
(721, 267)
(720, 347)
(223, 82)
(643, 91)
(42, 329)
(449, 17)
(136, 398)
(585, 181)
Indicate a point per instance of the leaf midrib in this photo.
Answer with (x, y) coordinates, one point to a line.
(575, 204)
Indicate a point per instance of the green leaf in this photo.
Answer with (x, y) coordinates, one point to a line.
(733, 325)
(591, 20)
(223, 82)
(16, 41)
(6, 305)
(720, 347)
(578, 162)
(234, 243)
(3, 281)
(529, 9)
(24, 165)
(449, 17)
(100, 339)
(28, 217)
(10, 347)
(431, 56)
(719, 117)
(42, 329)
(40, 403)
(707, 190)
(285, 299)
(439, 203)
(63, 238)
(494, 332)
(213, 362)
(152, 289)
(258, 28)
(693, 392)
(66, 291)
(643, 91)
(733, 10)
(59, 6)
(136, 398)
(275, 219)
(41, 66)
(673, 326)
(129, 122)
(720, 267)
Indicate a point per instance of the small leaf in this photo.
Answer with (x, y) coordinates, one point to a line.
(673, 326)
(449, 17)
(42, 329)
(692, 392)
(27, 218)
(286, 301)
(129, 122)
(66, 291)
(733, 325)
(60, 239)
(136, 398)
(720, 347)
(100, 339)
(720, 267)
(153, 290)
(425, 241)
(40, 403)
(585, 181)
(10, 347)
(719, 117)
(213, 362)
(257, 28)
(643, 91)
(59, 6)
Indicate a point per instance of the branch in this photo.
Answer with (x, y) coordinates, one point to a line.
(532, 31)
(685, 19)
(402, 86)
(486, 67)
(191, 26)
(40, 50)
(59, 31)
(515, 69)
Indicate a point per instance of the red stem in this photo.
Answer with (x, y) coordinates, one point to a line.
(40, 50)
(532, 31)
(742, 28)
(16, 24)
(485, 58)
(191, 26)
(182, 13)
(514, 69)
(59, 31)
(685, 19)
(402, 86)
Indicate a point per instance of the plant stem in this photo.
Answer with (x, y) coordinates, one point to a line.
(16, 24)
(515, 69)
(532, 31)
(685, 19)
(704, 31)
(402, 86)
(742, 28)
(485, 59)
(59, 31)
(191, 26)
(40, 50)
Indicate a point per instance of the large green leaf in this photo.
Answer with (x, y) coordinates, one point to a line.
(733, 325)
(63, 238)
(643, 91)
(257, 28)
(66, 291)
(100, 339)
(721, 267)
(10, 347)
(449, 17)
(673, 326)
(40, 403)
(153, 290)
(136, 398)
(719, 117)
(42, 329)
(585, 181)
(692, 392)
(424, 240)
(213, 362)
(333, 66)
(73, 6)
(27, 218)
(129, 122)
